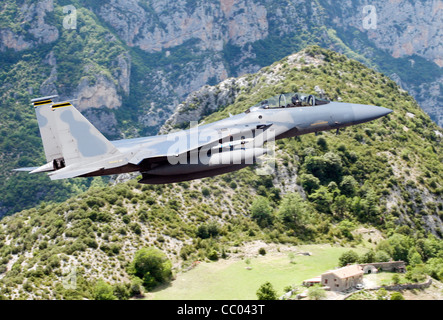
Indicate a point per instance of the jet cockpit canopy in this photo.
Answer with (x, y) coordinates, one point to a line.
(289, 100)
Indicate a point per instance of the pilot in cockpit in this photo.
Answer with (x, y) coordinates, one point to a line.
(296, 101)
(265, 104)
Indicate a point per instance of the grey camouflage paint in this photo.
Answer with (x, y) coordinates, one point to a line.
(175, 157)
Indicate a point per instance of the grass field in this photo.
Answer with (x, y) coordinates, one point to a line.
(230, 280)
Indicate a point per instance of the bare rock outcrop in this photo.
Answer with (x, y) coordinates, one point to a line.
(39, 31)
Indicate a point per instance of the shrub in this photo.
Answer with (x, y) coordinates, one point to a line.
(103, 291)
(309, 182)
(292, 209)
(121, 291)
(213, 255)
(348, 186)
(261, 211)
(266, 292)
(316, 293)
(397, 296)
(206, 192)
(348, 257)
(136, 286)
(202, 231)
(151, 265)
(126, 219)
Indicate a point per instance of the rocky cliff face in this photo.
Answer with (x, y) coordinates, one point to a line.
(158, 25)
(211, 98)
(188, 44)
(36, 31)
(401, 27)
(228, 33)
(404, 29)
(130, 63)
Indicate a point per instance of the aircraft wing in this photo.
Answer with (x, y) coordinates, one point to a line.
(183, 143)
(69, 172)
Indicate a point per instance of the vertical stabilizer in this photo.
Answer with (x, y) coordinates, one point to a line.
(78, 138)
(45, 118)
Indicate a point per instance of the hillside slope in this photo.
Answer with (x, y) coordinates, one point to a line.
(386, 174)
(131, 62)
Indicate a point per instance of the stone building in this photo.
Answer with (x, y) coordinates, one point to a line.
(343, 278)
(391, 266)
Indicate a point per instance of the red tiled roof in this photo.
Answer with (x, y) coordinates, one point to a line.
(348, 271)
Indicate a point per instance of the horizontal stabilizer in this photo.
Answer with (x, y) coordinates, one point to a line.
(69, 172)
(25, 169)
(43, 99)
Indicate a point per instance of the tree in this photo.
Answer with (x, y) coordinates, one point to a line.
(322, 143)
(340, 205)
(348, 186)
(266, 292)
(414, 257)
(368, 257)
(416, 274)
(323, 199)
(309, 182)
(397, 296)
(400, 246)
(327, 167)
(382, 294)
(346, 227)
(348, 257)
(382, 256)
(136, 286)
(261, 211)
(151, 265)
(293, 209)
(103, 291)
(435, 268)
(396, 279)
(316, 293)
(121, 291)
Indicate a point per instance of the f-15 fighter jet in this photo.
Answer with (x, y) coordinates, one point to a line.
(75, 148)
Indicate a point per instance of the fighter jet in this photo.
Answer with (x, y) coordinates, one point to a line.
(75, 148)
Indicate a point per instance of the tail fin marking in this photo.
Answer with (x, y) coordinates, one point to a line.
(45, 119)
(79, 139)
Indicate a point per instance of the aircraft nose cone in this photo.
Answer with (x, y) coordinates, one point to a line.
(364, 113)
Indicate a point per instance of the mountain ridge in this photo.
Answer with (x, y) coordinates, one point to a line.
(129, 82)
(377, 180)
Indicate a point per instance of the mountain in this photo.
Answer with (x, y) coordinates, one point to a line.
(130, 63)
(383, 175)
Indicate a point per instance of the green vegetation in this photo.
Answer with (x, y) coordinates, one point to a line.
(266, 292)
(103, 291)
(94, 50)
(22, 75)
(152, 266)
(423, 257)
(231, 279)
(316, 293)
(397, 296)
(327, 188)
